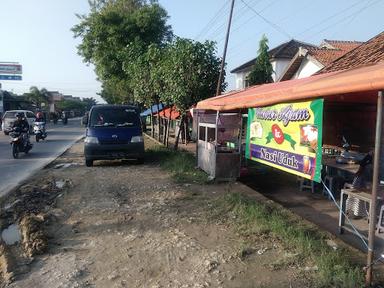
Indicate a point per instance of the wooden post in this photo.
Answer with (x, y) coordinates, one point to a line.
(158, 121)
(152, 125)
(375, 183)
(169, 127)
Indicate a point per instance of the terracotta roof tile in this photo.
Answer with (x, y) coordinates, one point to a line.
(343, 45)
(369, 52)
(326, 56)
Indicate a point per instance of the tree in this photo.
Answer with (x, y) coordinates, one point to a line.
(190, 71)
(147, 80)
(108, 34)
(38, 98)
(262, 70)
(71, 105)
(89, 102)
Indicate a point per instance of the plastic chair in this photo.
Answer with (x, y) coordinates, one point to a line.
(380, 223)
(306, 184)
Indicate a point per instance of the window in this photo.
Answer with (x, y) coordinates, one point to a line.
(114, 117)
(202, 133)
(211, 134)
(30, 115)
(9, 114)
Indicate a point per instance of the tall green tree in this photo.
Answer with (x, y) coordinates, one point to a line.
(108, 34)
(191, 70)
(262, 70)
(38, 97)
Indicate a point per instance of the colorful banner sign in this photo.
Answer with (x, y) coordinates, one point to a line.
(288, 137)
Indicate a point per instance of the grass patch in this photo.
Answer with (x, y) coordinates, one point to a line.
(334, 268)
(182, 165)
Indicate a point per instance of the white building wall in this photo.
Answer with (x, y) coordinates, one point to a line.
(240, 79)
(306, 69)
(279, 67)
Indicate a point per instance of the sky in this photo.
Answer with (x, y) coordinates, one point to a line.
(37, 33)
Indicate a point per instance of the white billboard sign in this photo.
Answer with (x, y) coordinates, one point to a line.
(10, 68)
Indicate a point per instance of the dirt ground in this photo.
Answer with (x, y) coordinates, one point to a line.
(120, 224)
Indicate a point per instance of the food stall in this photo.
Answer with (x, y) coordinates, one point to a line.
(356, 88)
(218, 145)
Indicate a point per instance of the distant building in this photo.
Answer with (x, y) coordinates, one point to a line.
(308, 61)
(54, 97)
(13, 102)
(369, 52)
(70, 97)
(280, 58)
(295, 59)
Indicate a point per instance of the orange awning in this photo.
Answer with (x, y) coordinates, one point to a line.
(347, 83)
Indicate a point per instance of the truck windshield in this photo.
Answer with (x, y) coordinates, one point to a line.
(114, 117)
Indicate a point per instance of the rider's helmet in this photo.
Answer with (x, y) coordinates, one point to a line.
(39, 115)
(19, 115)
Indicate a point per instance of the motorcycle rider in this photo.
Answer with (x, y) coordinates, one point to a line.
(64, 117)
(22, 125)
(40, 124)
(39, 117)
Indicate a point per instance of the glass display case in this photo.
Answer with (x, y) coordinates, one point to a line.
(218, 145)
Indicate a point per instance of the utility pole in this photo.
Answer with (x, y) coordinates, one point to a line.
(375, 185)
(218, 90)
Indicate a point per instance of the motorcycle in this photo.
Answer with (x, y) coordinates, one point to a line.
(19, 142)
(39, 131)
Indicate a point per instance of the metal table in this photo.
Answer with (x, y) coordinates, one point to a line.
(328, 161)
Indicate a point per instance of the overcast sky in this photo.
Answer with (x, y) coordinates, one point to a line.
(37, 33)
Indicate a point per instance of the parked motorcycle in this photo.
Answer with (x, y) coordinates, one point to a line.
(39, 131)
(19, 142)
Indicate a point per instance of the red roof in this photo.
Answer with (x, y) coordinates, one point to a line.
(341, 86)
(369, 52)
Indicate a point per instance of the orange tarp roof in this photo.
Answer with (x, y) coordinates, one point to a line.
(167, 112)
(367, 78)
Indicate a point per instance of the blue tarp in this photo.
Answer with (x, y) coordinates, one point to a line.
(154, 109)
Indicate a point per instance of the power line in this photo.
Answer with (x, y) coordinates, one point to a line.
(241, 43)
(354, 17)
(345, 18)
(209, 25)
(249, 19)
(218, 32)
(329, 17)
(275, 26)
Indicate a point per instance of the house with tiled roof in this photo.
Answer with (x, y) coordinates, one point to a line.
(370, 52)
(308, 61)
(280, 57)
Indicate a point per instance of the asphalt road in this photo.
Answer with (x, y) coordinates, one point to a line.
(15, 171)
